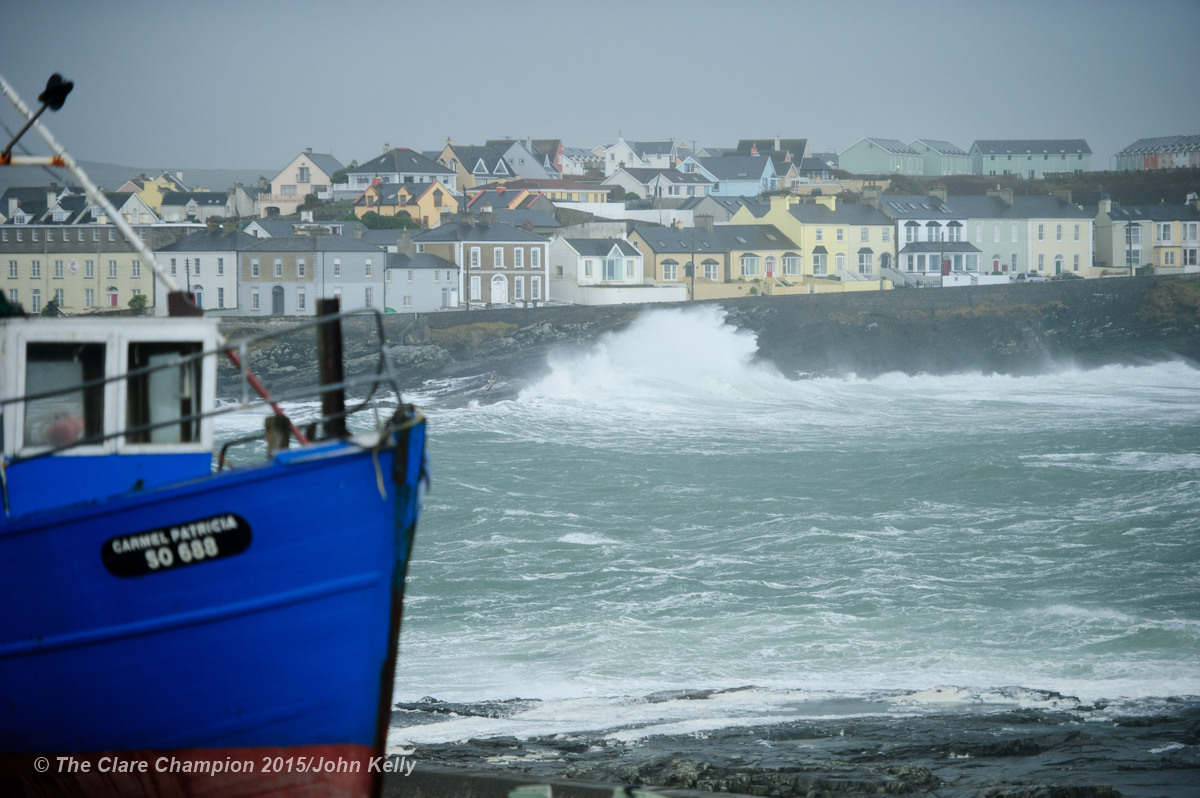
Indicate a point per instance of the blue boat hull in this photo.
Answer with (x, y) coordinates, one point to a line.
(253, 611)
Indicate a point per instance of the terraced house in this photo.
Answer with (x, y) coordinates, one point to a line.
(55, 246)
(1130, 239)
(498, 264)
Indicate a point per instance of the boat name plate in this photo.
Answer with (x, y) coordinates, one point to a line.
(177, 546)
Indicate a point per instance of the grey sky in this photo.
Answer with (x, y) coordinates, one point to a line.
(248, 85)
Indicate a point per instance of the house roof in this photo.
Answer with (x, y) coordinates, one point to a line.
(599, 247)
(401, 160)
(752, 236)
(736, 167)
(1164, 144)
(845, 213)
(651, 147)
(967, 206)
(795, 146)
(311, 244)
(1154, 213)
(470, 157)
(325, 162)
(680, 240)
(466, 231)
(645, 175)
(420, 260)
(520, 217)
(1006, 146)
(213, 241)
(206, 198)
(943, 147)
(891, 145)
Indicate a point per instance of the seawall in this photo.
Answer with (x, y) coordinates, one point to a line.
(991, 329)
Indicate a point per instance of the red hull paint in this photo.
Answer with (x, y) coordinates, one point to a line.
(306, 771)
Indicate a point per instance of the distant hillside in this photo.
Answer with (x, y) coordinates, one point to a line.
(110, 176)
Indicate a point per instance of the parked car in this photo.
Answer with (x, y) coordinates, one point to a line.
(1031, 277)
(1068, 276)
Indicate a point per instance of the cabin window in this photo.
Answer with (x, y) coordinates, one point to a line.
(61, 410)
(164, 395)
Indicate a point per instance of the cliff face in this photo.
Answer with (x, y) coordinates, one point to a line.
(1005, 329)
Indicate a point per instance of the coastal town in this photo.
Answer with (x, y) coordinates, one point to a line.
(529, 222)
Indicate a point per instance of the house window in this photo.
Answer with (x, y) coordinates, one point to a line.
(337, 267)
(752, 265)
(475, 287)
(173, 267)
(910, 233)
(254, 267)
(819, 263)
(887, 235)
(954, 232)
(58, 297)
(367, 297)
(300, 299)
(629, 267)
(36, 270)
(518, 259)
(863, 235)
(112, 268)
(611, 268)
(841, 234)
(1076, 232)
(12, 295)
(558, 271)
(411, 273)
(301, 267)
(1058, 232)
(13, 273)
(89, 297)
(1189, 257)
(58, 270)
(1041, 267)
(135, 269)
(587, 268)
(519, 288)
(474, 260)
(792, 264)
(1075, 264)
(535, 259)
(864, 263)
(221, 298)
(1041, 232)
(820, 234)
(1190, 231)
(89, 268)
(196, 263)
(498, 258)
(710, 270)
(368, 269)
(37, 301)
(535, 287)
(1162, 232)
(254, 299)
(220, 267)
(302, 175)
(278, 268)
(670, 270)
(406, 301)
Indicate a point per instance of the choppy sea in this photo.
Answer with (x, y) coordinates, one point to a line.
(663, 516)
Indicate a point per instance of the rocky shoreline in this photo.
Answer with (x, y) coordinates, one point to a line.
(1026, 753)
(990, 329)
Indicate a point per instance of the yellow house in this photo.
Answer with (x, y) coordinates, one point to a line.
(424, 202)
(152, 190)
(839, 247)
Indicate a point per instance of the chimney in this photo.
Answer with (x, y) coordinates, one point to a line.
(828, 200)
(51, 199)
(936, 191)
(872, 196)
(704, 221)
(179, 176)
(308, 150)
(1063, 194)
(1193, 199)
(1106, 205)
(776, 142)
(1005, 195)
(12, 206)
(405, 245)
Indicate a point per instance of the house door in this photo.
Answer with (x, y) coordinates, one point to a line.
(277, 300)
(499, 290)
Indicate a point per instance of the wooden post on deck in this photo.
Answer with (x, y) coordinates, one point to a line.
(329, 367)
